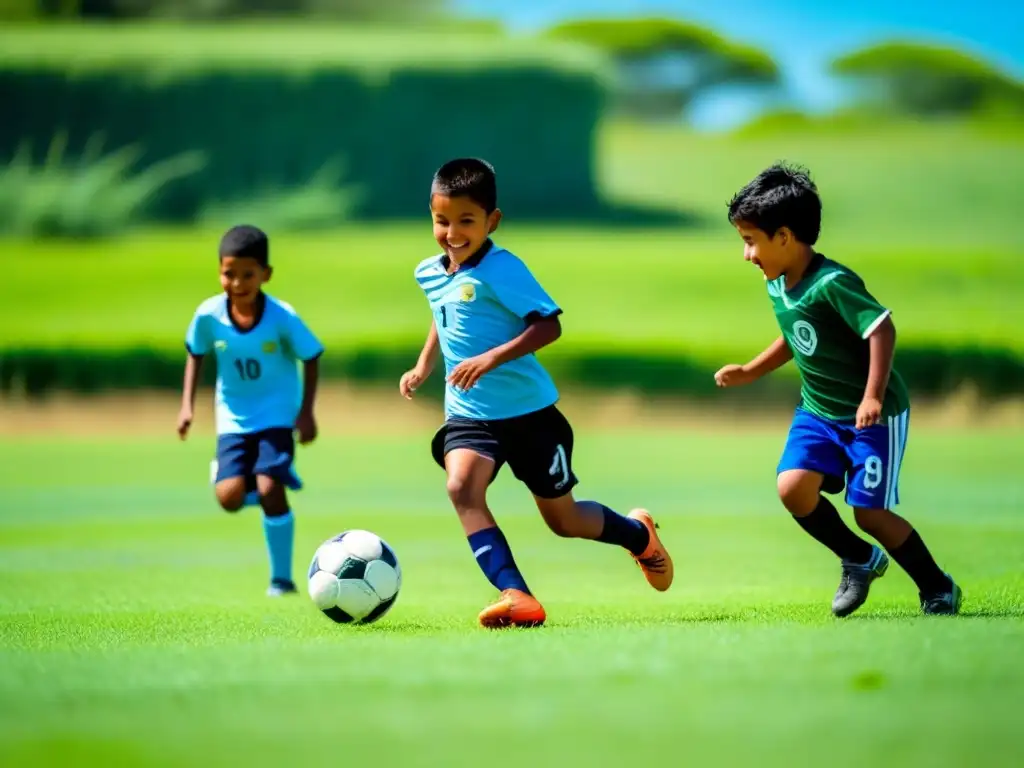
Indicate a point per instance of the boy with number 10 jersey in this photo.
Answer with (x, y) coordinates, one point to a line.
(258, 342)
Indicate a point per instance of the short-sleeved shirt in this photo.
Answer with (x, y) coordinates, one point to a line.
(488, 301)
(826, 320)
(258, 381)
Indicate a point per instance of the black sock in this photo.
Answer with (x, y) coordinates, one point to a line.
(914, 558)
(825, 525)
(623, 531)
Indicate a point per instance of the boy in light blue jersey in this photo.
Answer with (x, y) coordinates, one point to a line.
(260, 400)
(490, 317)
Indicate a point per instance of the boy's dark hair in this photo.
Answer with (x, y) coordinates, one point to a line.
(467, 177)
(780, 196)
(248, 242)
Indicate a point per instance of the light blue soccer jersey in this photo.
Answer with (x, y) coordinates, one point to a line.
(487, 302)
(258, 382)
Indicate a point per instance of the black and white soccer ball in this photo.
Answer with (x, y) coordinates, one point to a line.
(355, 577)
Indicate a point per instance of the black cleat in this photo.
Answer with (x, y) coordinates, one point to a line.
(943, 603)
(856, 581)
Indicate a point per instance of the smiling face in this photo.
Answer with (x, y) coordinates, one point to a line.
(242, 278)
(772, 255)
(461, 225)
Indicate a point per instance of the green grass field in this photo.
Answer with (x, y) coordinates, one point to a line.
(133, 628)
(930, 229)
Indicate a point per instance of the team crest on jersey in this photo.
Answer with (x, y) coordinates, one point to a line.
(270, 347)
(804, 338)
(467, 292)
(220, 345)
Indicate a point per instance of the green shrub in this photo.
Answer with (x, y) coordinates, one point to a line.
(321, 203)
(90, 196)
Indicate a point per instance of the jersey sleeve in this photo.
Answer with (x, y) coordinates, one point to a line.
(520, 293)
(858, 308)
(302, 341)
(197, 337)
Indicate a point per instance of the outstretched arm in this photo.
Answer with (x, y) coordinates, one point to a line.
(775, 356)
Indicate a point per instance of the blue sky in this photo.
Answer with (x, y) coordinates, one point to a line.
(803, 35)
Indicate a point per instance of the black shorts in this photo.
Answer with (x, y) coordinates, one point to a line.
(537, 447)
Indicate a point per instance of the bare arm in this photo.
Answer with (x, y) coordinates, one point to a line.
(412, 379)
(429, 354)
(537, 335)
(776, 356)
(882, 345)
(305, 422)
(310, 380)
(193, 367)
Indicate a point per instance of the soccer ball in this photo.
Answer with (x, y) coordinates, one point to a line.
(354, 577)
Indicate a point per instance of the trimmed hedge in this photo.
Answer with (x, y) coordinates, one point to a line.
(928, 371)
(268, 107)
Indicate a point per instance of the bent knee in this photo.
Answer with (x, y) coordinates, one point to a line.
(231, 494)
(563, 528)
(799, 491)
(463, 493)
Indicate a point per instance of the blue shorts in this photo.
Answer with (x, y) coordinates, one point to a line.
(867, 461)
(269, 452)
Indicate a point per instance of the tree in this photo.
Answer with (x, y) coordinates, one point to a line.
(663, 65)
(929, 80)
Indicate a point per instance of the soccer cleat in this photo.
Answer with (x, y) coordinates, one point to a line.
(943, 603)
(655, 561)
(514, 608)
(856, 581)
(278, 588)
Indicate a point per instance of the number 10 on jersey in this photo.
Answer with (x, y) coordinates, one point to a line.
(248, 369)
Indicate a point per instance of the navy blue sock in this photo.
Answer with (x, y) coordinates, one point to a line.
(623, 531)
(492, 553)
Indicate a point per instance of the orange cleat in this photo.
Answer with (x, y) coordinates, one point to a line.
(514, 608)
(655, 561)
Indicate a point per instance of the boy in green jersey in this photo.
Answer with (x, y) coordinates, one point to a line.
(850, 428)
